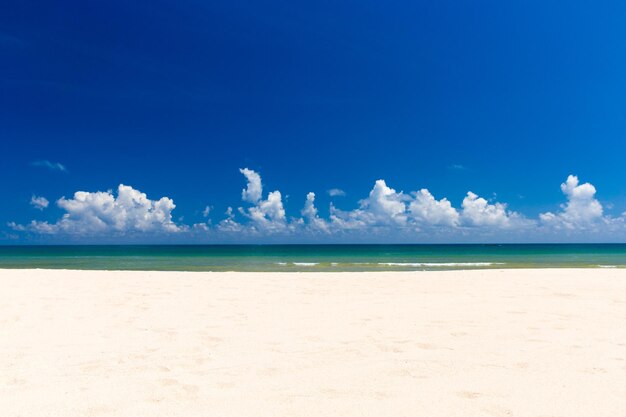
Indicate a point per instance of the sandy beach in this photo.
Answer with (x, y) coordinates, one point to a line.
(460, 343)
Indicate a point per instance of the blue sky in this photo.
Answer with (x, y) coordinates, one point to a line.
(503, 99)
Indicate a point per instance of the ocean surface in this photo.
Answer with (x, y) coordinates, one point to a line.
(314, 257)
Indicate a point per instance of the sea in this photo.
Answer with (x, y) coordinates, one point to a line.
(309, 258)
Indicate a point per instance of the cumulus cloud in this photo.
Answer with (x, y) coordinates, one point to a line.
(383, 207)
(89, 213)
(39, 203)
(229, 224)
(420, 211)
(426, 210)
(54, 166)
(384, 212)
(312, 219)
(269, 214)
(254, 190)
(204, 227)
(266, 215)
(309, 211)
(347, 220)
(478, 212)
(17, 227)
(336, 192)
(581, 210)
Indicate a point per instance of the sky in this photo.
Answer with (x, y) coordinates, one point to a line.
(410, 121)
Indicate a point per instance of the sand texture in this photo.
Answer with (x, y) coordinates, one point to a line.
(533, 343)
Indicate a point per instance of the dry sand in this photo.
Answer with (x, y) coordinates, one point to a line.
(464, 343)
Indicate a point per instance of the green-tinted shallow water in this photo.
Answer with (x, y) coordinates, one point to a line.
(313, 257)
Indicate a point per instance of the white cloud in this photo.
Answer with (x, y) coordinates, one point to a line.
(101, 213)
(254, 189)
(479, 213)
(582, 210)
(39, 203)
(229, 224)
(383, 208)
(336, 192)
(387, 208)
(312, 219)
(425, 210)
(384, 205)
(347, 220)
(309, 211)
(204, 227)
(41, 227)
(54, 166)
(385, 212)
(266, 216)
(17, 227)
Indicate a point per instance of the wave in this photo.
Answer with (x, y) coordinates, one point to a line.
(440, 264)
(399, 264)
(607, 266)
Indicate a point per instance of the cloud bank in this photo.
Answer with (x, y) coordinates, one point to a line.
(93, 213)
(385, 214)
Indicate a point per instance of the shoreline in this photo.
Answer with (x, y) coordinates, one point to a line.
(305, 271)
(483, 342)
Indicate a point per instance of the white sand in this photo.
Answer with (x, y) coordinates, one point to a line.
(470, 343)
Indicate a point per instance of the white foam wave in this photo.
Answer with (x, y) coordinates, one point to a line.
(401, 264)
(440, 264)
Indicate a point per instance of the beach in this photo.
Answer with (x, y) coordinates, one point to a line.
(514, 342)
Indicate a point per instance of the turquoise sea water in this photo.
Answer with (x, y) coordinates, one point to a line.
(313, 257)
